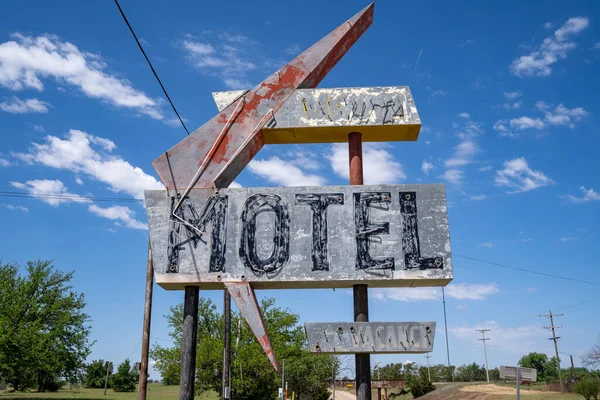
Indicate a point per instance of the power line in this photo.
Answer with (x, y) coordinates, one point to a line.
(70, 197)
(151, 67)
(527, 270)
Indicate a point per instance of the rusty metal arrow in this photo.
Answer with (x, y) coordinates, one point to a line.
(234, 134)
(214, 154)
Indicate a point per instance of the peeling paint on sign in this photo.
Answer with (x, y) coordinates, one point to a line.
(302, 237)
(370, 337)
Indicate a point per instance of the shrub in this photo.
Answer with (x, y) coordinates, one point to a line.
(421, 386)
(588, 388)
(125, 378)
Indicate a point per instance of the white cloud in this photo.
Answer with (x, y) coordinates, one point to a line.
(548, 25)
(284, 173)
(26, 60)
(459, 291)
(488, 245)
(464, 115)
(379, 165)
(16, 208)
(463, 154)
(426, 167)
(515, 339)
(588, 195)
(462, 306)
(486, 168)
(453, 175)
(518, 176)
(436, 92)
(227, 61)
(561, 115)
(53, 192)
(293, 50)
(38, 128)
(79, 181)
(76, 154)
(235, 185)
(18, 106)
(478, 197)
(513, 95)
(567, 239)
(597, 45)
(118, 213)
(513, 106)
(4, 163)
(553, 48)
(523, 123)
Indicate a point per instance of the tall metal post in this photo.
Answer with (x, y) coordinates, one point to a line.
(446, 329)
(484, 339)
(361, 295)
(428, 370)
(143, 386)
(188, 343)
(226, 344)
(518, 383)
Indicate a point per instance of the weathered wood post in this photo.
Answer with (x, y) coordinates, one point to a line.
(361, 294)
(188, 344)
(143, 386)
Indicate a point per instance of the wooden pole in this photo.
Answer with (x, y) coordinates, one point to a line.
(362, 362)
(143, 386)
(188, 344)
(106, 380)
(226, 344)
(573, 370)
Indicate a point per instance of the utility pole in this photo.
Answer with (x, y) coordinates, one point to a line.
(428, 370)
(106, 381)
(573, 370)
(446, 328)
(143, 386)
(377, 364)
(483, 339)
(555, 339)
(333, 381)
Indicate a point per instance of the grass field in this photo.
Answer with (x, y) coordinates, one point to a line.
(155, 392)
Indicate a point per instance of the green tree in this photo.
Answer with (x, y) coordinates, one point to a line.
(126, 378)
(389, 372)
(592, 357)
(471, 373)
(95, 374)
(253, 377)
(538, 361)
(43, 329)
(588, 388)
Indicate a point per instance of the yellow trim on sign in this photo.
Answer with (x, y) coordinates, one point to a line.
(339, 134)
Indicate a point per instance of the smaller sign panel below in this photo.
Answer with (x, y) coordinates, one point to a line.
(370, 337)
(527, 374)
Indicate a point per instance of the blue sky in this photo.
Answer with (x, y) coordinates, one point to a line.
(508, 99)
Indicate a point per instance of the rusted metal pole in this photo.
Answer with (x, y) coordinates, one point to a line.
(226, 344)
(188, 344)
(361, 295)
(143, 387)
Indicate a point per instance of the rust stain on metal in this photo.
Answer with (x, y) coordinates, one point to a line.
(305, 71)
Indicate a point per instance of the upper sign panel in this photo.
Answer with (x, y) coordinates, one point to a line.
(381, 114)
(302, 237)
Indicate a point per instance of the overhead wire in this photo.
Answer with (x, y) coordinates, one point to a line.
(151, 66)
(526, 270)
(69, 197)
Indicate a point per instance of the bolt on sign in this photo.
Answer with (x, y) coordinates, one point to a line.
(370, 337)
(301, 237)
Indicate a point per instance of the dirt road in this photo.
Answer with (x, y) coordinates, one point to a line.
(341, 395)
